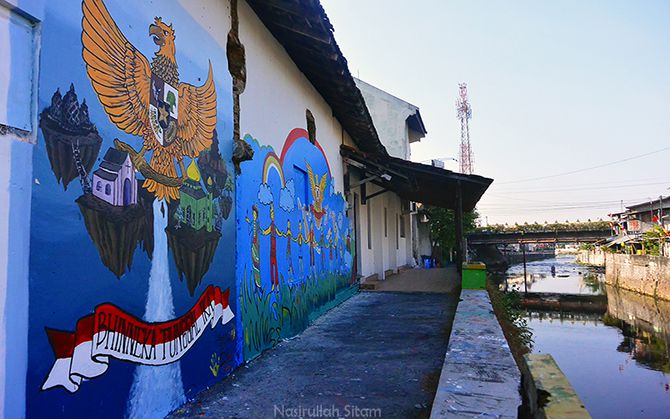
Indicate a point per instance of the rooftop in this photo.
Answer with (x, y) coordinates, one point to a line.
(303, 29)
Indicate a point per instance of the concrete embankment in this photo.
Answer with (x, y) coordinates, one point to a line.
(594, 257)
(548, 390)
(648, 275)
(479, 377)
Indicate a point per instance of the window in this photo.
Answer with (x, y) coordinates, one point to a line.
(401, 225)
(369, 226)
(386, 226)
(108, 189)
(98, 186)
(311, 126)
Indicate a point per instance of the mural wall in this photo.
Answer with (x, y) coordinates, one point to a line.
(133, 298)
(294, 241)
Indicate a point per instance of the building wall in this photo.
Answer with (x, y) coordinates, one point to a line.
(390, 117)
(294, 242)
(76, 270)
(424, 247)
(15, 183)
(386, 251)
(277, 95)
(19, 71)
(108, 278)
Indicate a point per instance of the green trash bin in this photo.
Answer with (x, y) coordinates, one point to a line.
(474, 276)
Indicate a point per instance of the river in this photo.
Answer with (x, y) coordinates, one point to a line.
(619, 362)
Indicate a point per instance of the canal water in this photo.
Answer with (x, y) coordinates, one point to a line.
(567, 278)
(619, 362)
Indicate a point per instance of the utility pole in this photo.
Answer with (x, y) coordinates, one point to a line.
(660, 210)
(464, 114)
(525, 276)
(458, 221)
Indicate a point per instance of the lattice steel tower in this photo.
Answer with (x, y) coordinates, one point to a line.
(464, 113)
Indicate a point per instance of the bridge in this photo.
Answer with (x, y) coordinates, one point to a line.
(555, 236)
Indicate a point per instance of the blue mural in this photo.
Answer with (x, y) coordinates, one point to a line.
(294, 241)
(133, 299)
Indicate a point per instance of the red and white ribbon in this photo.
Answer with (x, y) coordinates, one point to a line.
(112, 333)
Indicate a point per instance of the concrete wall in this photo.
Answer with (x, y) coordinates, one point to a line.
(15, 185)
(74, 271)
(591, 257)
(386, 251)
(648, 275)
(277, 95)
(295, 241)
(19, 73)
(389, 115)
(118, 273)
(424, 246)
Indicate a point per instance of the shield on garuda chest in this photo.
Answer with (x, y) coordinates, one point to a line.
(163, 110)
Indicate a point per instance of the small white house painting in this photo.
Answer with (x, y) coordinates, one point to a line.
(114, 181)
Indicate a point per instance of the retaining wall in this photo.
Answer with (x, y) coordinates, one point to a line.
(591, 257)
(648, 275)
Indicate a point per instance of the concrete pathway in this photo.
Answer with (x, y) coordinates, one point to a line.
(437, 280)
(377, 351)
(479, 377)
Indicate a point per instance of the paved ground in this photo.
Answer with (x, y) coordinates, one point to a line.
(438, 280)
(479, 377)
(374, 351)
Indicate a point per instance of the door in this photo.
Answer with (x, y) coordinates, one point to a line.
(127, 192)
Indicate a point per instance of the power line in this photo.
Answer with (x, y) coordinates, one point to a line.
(561, 206)
(616, 182)
(587, 168)
(586, 188)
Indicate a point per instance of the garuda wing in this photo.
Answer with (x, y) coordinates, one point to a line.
(322, 186)
(312, 178)
(119, 73)
(197, 117)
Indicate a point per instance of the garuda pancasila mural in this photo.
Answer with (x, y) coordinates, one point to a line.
(175, 119)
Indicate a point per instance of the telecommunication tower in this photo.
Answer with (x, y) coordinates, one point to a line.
(464, 113)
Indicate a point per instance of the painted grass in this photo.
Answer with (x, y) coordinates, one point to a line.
(268, 317)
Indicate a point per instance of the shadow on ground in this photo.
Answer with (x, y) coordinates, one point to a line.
(380, 351)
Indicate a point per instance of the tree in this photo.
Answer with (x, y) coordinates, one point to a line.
(443, 226)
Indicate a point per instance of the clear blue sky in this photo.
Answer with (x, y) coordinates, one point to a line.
(555, 86)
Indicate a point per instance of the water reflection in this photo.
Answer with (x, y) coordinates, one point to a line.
(645, 326)
(619, 363)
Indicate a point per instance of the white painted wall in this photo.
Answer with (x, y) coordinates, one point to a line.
(389, 115)
(384, 254)
(277, 94)
(424, 247)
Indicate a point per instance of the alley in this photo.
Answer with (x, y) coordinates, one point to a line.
(375, 351)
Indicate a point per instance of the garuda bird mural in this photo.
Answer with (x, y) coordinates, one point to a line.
(174, 119)
(318, 190)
